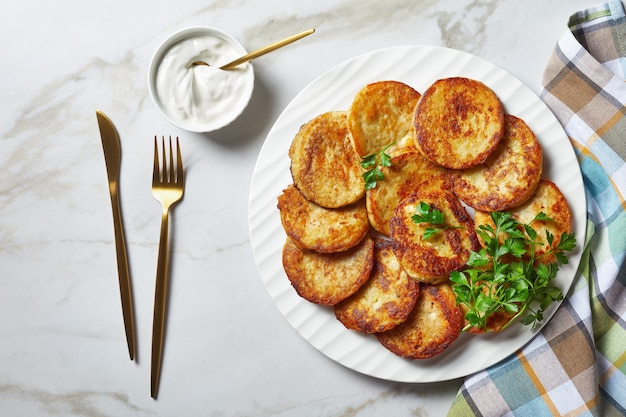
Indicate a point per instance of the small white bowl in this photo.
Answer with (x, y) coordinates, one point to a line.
(199, 98)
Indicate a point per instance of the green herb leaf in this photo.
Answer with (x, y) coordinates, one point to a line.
(368, 162)
(372, 177)
(430, 232)
(505, 276)
(543, 217)
(372, 164)
(424, 213)
(385, 159)
(478, 258)
(567, 242)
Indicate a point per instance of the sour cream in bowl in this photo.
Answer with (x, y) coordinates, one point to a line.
(199, 98)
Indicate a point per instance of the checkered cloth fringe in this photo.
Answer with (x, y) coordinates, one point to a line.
(576, 366)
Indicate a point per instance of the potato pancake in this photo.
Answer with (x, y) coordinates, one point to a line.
(381, 114)
(458, 122)
(324, 165)
(385, 300)
(431, 260)
(508, 177)
(328, 278)
(433, 325)
(546, 199)
(322, 229)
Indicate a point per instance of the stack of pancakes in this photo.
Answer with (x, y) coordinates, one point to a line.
(452, 147)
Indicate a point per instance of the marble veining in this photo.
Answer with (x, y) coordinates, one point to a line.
(462, 27)
(466, 30)
(77, 403)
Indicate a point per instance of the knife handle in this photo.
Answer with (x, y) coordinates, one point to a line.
(122, 270)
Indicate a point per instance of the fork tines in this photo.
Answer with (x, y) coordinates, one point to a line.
(167, 173)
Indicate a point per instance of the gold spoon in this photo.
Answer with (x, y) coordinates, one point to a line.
(259, 52)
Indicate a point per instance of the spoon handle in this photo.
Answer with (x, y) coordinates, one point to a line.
(266, 49)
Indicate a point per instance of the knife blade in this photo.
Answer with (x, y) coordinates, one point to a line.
(112, 159)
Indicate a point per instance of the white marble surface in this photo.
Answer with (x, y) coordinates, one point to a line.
(228, 350)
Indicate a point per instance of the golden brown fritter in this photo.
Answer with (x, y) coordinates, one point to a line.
(508, 177)
(458, 122)
(385, 300)
(328, 278)
(324, 165)
(322, 229)
(409, 172)
(546, 199)
(433, 325)
(381, 114)
(431, 260)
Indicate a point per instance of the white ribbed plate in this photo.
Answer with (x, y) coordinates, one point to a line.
(417, 66)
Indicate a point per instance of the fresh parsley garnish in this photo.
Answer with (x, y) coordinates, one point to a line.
(426, 214)
(373, 164)
(507, 275)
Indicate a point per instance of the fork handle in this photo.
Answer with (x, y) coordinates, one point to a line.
(160, 303)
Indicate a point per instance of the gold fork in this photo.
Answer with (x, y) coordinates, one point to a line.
(168, 185)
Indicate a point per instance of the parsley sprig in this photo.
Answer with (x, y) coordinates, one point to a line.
(372, 164)
(424, 213)
(507, 275)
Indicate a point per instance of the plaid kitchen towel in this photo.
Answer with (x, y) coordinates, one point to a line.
(576, 366)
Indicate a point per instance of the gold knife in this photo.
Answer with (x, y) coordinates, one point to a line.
(112, 158)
